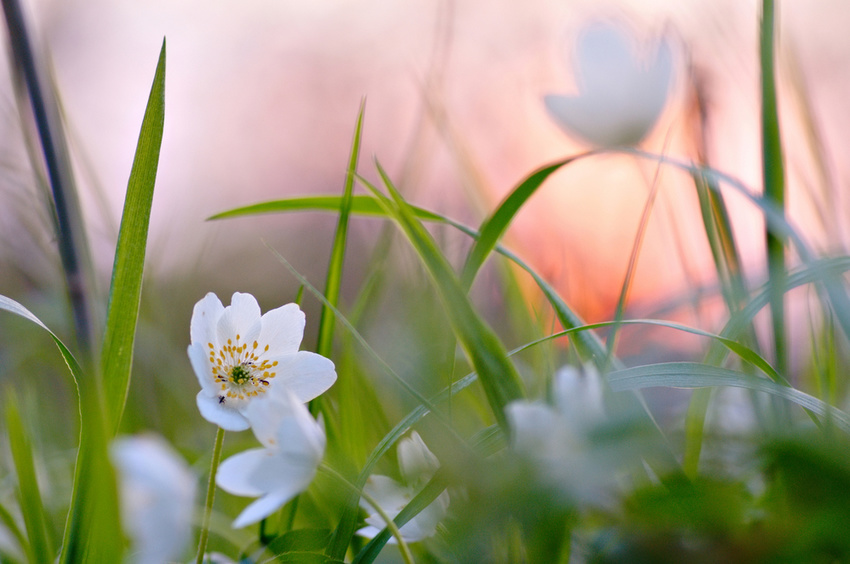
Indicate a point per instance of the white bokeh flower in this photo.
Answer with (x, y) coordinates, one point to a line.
(157, 496)
(620, 97)
(417, 465)
(294, 444)
(239, 355)
(554, 438)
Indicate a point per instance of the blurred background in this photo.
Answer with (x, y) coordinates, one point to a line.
(261, 100)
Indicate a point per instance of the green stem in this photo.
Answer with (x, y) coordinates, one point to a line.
(773, 175)
(391, 526)
(205, 525)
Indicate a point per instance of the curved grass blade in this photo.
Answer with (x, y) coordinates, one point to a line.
(696, 375)
(126, 287)
(495, 226)
(92, 530)
(588, 344)
(35, 519)
(360, 205)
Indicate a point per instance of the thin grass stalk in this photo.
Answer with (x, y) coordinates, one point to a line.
(205, 524)
(73, 248)
(773, 176)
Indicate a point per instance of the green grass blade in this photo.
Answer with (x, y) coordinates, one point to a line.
(360, 205)
(35, 520)
(333, 281)
(9, 522)
(482, 347)
(126, 288)
(696, 375)
(588, 344)
(92, 530)
(773, 176)
(495, 226)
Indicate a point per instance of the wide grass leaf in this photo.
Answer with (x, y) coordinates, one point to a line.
(126, 287)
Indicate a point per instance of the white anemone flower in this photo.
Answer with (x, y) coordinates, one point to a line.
(157, 497)
(294, 444)
(620, 96)
(239, 355)
(417, 465)
(554, 437)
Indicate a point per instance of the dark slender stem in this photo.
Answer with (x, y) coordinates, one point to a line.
(72, 246)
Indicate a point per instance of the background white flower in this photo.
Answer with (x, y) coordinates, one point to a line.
(157, 496)
(238, 355)
(554, 438)
(620, 97)
(418, 465)
(294, 446)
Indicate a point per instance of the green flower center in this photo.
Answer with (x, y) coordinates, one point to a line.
(239, 374)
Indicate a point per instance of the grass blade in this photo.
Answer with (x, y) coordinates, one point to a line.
(482, 347)
(696, 375)
(773, 176)
(126, 287)
(35, 520)
(495, 226)
(334, 276)
(92, 530)
(71, 239)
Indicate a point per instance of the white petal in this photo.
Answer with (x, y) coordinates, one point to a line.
(304, 374)
(578, 395)
(199, 357)
(283, 329)
(535, 427)
(387, 493)
(215, 412)
(415, 461)
(282, 422)
(157, 495)
(372, 531)
(264, 507)
(241, 317)
(236, 474)
(205, 316)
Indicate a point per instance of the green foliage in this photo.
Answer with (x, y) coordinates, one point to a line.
(126, 288)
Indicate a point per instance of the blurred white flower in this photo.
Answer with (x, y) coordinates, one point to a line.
(417, 465)
(554, 438)
(157, 496)
(239, 355)
(620, 97)
(294, 446)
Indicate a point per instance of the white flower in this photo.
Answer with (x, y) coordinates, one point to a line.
(554, 438)
(417, 465)
(620, 98)
(239, 355)
(294, 446)
(157, 494)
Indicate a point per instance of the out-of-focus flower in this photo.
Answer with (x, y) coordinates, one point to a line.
(554, 438)
(417, 465)
(157, 494)
(239, 355)
(294, 444)
(620, 97)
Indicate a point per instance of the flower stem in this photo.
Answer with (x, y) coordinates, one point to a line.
(391, 526)
(205, 526)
